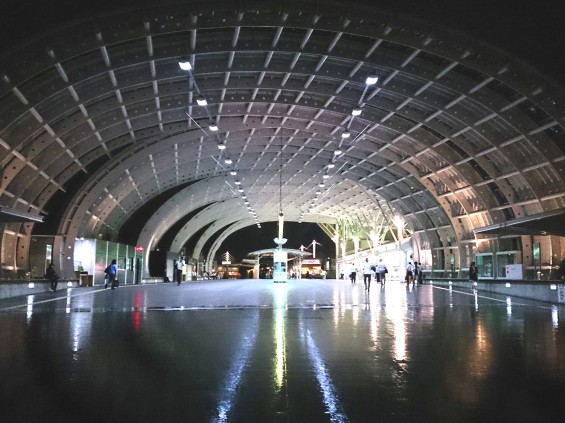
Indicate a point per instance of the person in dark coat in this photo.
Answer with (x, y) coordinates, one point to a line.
(473, 274)
(52, 276)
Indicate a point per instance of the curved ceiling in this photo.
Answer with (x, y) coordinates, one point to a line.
(455, 135)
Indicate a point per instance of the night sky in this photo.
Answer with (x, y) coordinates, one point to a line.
(253, 238)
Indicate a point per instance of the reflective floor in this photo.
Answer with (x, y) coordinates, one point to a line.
(304, 351)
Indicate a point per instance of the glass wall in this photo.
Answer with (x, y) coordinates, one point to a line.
(504, 258)
(93, 256)
(485, 265)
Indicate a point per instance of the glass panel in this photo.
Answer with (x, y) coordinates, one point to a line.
(502, 260)
(485, 265)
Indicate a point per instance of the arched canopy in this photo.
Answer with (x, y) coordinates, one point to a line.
(97, 119)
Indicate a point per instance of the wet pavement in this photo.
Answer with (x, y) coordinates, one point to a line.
(303, 351)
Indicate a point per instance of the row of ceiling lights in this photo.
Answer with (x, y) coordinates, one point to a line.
(369, 81)
(201, 101)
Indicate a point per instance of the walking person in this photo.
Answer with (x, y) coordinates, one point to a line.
(180, 268)
(353, 273)
(52, 276)
(382, 271)
(367, 269)
(416, 271)
(409, 273)
(473, 274)
(112, 272)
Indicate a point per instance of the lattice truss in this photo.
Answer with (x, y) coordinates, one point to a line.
(453, 136)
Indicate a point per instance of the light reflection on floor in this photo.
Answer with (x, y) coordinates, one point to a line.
(307, 350)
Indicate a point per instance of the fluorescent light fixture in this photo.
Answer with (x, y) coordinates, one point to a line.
(345, 135)
(233, 173)
(186, 66)
(213, 127)
(371, 80)
(322, 185)
(221, 146)
(326, 176)
(331, 166)
(228, 161)
(337, 152)
(237, 182)
(240, 190)
(356, 112)
(201, 101)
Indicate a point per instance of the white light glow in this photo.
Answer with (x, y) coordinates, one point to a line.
(185, 66)
(371, 80)
(398, 221)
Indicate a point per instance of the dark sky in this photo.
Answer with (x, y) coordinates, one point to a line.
(254, 238)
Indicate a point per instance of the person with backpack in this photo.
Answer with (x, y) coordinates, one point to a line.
(382, 271)
(111, 272)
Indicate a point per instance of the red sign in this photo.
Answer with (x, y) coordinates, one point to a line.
(139, 248)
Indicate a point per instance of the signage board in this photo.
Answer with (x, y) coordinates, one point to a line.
(561, 293)
(280, 259)
(514, 271)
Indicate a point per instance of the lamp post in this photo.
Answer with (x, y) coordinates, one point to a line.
(280, 256)
(399, 223)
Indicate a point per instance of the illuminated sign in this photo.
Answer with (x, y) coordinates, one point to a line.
(311, 261)
(139, 248)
